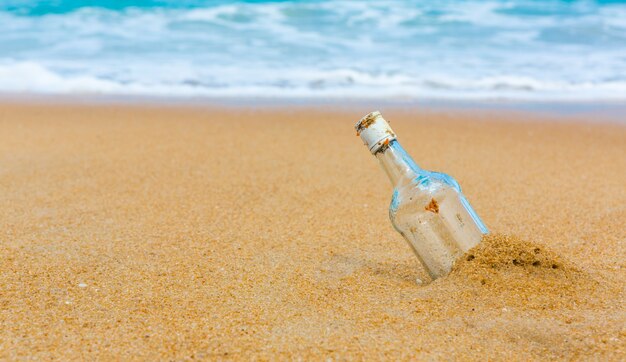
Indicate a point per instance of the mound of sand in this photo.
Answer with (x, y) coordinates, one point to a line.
(505, 273)
(521, 273)
(503, 252)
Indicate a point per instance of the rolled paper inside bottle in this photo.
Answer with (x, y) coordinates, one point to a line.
(374, 131)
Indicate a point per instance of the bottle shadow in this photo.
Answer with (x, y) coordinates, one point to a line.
(405, 271)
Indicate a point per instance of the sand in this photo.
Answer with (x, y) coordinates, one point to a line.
(145, 232)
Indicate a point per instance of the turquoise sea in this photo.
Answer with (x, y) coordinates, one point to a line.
(518, 49)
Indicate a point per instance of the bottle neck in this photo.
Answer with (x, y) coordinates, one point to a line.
(398, 165)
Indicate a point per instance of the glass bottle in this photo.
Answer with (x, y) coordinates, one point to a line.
(427, 208)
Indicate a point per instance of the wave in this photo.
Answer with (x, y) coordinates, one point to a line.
(471, 49)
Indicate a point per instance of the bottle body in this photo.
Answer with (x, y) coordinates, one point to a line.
(434, 217)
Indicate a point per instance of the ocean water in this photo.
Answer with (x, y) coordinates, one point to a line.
(413, 49)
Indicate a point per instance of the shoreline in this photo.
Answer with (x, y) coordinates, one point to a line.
(594, 111)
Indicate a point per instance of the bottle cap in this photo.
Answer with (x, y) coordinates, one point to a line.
(374, 131)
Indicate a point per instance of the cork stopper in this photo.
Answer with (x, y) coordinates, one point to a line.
(374, 131)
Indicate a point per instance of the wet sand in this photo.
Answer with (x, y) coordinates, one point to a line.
(139, 232)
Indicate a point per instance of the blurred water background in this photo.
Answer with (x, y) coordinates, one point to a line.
(521, 50)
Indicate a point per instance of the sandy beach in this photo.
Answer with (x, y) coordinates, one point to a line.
(174, 233)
